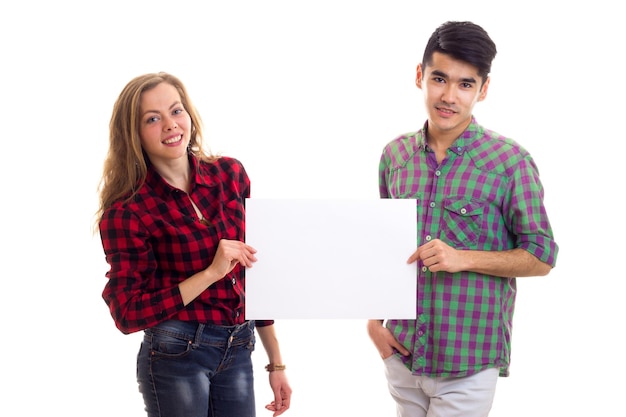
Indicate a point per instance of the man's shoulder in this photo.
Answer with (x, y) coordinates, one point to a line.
(402, 148)
(494, 151)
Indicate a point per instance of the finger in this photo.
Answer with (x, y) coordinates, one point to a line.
(250, 259)
(402, 349)
(278, 404)
(247, 259)
(413, 257)
(277, 413)
(237, 255)
(243, 260)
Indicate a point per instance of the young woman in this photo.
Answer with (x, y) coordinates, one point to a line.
(171, 221)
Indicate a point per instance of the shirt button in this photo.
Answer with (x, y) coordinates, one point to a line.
(463, 211)
(234, 281)
(424, 269)
(432, 204)
(437, 173)
(429, 238)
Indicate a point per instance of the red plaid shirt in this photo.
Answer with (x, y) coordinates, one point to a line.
(156, 240)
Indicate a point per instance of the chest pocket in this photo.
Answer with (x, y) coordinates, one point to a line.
(463, 222)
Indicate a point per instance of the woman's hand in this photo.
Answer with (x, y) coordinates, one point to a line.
(230, 253)
(282, 393)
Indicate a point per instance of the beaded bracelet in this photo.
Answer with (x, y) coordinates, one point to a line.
(275, 367)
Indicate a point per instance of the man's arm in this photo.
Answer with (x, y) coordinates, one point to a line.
(438, 256)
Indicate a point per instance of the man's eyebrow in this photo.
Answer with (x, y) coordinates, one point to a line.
(439, 74)
(442, 74)
(470, 80)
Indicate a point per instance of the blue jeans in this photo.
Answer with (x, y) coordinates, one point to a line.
(197, 370)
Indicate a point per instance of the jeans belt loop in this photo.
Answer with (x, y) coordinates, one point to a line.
(199, 330)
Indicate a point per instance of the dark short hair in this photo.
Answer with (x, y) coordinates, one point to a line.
(465, 41)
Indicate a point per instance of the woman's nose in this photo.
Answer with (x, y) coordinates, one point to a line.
(169, 123)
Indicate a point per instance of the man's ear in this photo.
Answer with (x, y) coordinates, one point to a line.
(419, 76)
(483, 90)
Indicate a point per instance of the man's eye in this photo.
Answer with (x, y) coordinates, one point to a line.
(439, 80)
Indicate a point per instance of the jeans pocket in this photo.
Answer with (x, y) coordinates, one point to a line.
(163, 345)
(247, 339)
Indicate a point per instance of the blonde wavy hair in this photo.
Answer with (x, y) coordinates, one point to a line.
(125, 166)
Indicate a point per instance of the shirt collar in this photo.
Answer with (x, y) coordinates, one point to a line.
(154, 179)
(461, 143)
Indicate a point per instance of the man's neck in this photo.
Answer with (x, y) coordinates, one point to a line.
(440, 140)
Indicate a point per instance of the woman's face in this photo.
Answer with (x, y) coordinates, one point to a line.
(165, 125)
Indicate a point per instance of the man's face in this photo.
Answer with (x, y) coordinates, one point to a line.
(451, 89)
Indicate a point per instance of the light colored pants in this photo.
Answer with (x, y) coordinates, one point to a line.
(422, 396)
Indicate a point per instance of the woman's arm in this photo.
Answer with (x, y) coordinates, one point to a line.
(278, 378)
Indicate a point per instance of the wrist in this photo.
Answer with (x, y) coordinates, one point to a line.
(271, 367)
(372, 324)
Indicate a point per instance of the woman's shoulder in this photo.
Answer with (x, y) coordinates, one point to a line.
(222, 163)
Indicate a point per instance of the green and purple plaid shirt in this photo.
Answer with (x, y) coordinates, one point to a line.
(485, 195)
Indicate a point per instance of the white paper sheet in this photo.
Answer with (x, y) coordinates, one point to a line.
(331, 259)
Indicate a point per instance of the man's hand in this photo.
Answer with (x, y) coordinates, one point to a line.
(383, 339)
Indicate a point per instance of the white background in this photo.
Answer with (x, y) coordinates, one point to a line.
(305, 94)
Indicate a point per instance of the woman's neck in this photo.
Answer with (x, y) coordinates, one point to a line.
(176, 173)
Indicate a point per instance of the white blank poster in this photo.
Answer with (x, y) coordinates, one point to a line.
(331, 259)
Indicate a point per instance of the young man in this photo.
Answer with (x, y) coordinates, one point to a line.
(481, 223)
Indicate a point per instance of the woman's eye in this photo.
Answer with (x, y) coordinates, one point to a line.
(152, 119)
(178, 111)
